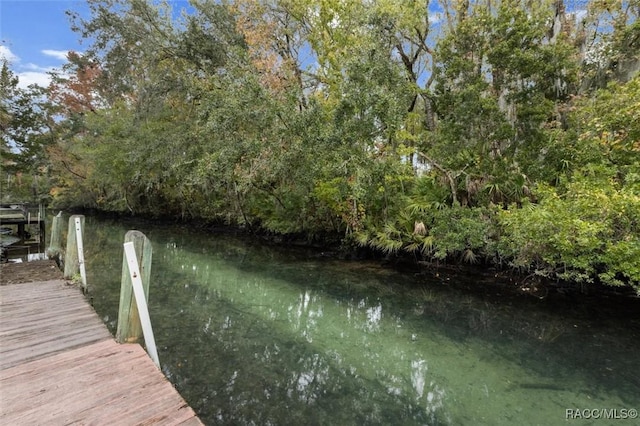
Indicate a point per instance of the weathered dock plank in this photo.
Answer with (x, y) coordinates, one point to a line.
(43, 318)
(60, 365)
(25, 272)
(101, 383)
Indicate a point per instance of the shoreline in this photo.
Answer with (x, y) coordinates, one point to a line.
(507, 279)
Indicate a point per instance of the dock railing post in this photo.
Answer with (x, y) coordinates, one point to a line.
(79, 232)
(129, 328)
(42, 225)
(55, 249)
(74, 258)
(141, 301)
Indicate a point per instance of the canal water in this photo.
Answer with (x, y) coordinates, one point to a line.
(261, 335)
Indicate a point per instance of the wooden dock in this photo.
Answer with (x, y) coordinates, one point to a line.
(60, 365)
(17, 222)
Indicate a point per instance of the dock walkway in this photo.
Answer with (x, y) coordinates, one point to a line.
(60, 365)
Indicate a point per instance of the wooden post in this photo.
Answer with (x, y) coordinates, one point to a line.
(55, 249)
(71, 261)
(42, 225)
(80, 243)
(129, 328)
(141, 301)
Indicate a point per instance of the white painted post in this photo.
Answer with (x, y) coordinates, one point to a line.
(83, 272)
(141, 301)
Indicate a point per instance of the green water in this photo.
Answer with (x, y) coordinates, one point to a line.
(254, 334)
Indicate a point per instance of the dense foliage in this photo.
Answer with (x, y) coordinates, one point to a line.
(499, 132)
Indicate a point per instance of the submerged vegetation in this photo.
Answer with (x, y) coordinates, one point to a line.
(493, 132)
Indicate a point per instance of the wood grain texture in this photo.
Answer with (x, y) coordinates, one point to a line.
(43, 318)
(60, 365)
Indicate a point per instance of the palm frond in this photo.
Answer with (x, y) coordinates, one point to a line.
(362, 238)
(428, 243)
(468, 256)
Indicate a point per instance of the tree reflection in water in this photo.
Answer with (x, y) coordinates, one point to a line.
(255, 335)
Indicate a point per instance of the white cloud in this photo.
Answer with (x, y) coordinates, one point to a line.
(33, 67)
(435, 17)
(31, 73)
(28, 78)
(8, 55)
(58, 54)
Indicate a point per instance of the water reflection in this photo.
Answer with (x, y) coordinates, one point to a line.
(251, 335)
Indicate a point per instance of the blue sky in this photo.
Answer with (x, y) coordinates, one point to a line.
(35, 36)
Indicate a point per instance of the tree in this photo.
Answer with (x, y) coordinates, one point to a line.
(494, 95)
(380, 123)
(28, 128)
(587, 227)
(610, 43)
